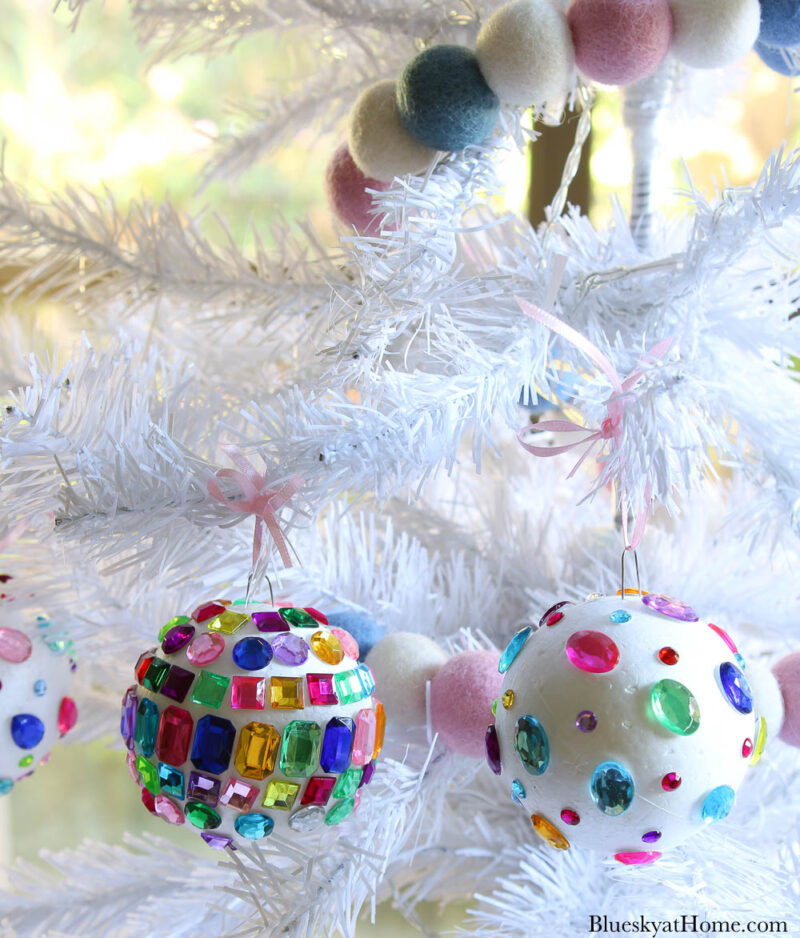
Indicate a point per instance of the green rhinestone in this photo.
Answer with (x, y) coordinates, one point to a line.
(340, 811)
(299, 618)
(675, 707)
(148, 774)
(347, 783)
(175, 620)
(202, 816)
(25, 761)
(156, 674)
(494, 707)
(209, 689)
(348, 687)
(300, 748)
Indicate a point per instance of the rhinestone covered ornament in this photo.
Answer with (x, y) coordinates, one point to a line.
(631, 724)
(37, 705)
(247, 718)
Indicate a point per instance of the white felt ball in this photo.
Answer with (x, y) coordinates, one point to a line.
(249, 718)
(378, 142)
(713, 33)
(525, 52)
(36, 708)
(403, 662)
(624, 726)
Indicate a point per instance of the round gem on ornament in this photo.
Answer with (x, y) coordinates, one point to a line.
(568, 816)
(592, 651)
(668, 606)
(517, 791)
(15, 646)
(671, 781)
(612, 788)
(552, 611)
(327, 647)
(252, 654)
(205, 648)
(718, 804)
(668, 656)
(27, 730)
(651, 837)
(176, 638)
(586, 721)
(290, 648)
(532, 747)
(620, 616)
(675, 707)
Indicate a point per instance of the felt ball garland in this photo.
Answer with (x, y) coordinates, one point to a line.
(527, 53)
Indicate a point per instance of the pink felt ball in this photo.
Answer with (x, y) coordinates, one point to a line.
(620, 41)
(462, 693)
(787, 673)
(346, 187)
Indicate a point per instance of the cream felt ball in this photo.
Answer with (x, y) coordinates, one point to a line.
(377, 140)
(443, 99)
(36, 706)
(626, 725)
(525, 52)
(403, 663)
(346, 187)
(619, 41)
(462, 694)
(248, 718)
(713, 33)
(780, 23)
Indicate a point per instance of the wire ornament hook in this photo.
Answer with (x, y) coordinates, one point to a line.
(622, 572)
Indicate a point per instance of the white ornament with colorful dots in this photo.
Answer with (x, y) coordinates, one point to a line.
(624, 725)
(36, 671)
(250, 717)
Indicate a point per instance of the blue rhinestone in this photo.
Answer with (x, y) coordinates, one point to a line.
(735, 687)
(612, 788)
(366, 680)
(517, 791)
(171, 780)
(740, 661)
(253, 826)
(335, 754)
(213, 744)
(620, 615)
(513, 648)
(40, 688)
(6, 784)
(718, 803)
(145, 728)
(530, 742)
(26, 730)
(252, 654)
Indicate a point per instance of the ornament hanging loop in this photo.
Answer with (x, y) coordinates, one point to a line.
(629, 550)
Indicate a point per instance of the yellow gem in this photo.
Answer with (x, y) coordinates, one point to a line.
(258, 746)
(548, 833)
(280, 795)
(761, 741)
(508, 699)
(286, 693)
(228, 622)
(380, 728)
(327, 647)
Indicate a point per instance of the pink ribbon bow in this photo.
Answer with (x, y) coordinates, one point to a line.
(611, 427)
(259, 500)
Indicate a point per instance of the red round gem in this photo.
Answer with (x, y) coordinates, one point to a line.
(568, 816)
(555, 618)
(67, 715)
(671, 781)
(668, 655)
(747, 748)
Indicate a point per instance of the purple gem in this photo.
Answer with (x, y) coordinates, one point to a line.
(366, 775)
(290, 649)
(269, 622)
(128, 716)
(217, 841)
(553, 609)
(651, 837)
(493, 750)
(203, 788)
(176, 638)
(586, 721)
(177, 684)
(668, 606)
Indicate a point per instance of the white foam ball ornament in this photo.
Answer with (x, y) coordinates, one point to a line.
(714, 33)
(624, 725)
(250, 718)
(380, 145)
(403, 663)
(36, 675)
(525, 53)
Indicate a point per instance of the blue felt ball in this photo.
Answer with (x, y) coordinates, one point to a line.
(777, 59)
(780, 25)
(443, 99)
(363, 629)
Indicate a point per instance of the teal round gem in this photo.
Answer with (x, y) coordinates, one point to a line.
(6, 784)
(40, 688)
(620, 615)
(531, 744)
(612, 788)
(718, 803)
(517, 791)
(675, 707)
(513, 648)
(254, 826)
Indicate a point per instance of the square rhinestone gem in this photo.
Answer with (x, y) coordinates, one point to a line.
(156, 674)
(177, 684)
(286, 693)
(280, 795)
(248, 692)
(318, 790)
(203, 788)
(238, 794)
(228, 622)
(209, 689)
(148, 774)
(171, 780)
(257, 749)
(321, 690)
(348, 687)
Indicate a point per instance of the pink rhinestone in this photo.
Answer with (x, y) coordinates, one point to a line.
(148, 801)
(168, 810)
(209, 610)
(348, 643)
(316, 614)
(131, 759)
(592, 651)
(638, 857)
(238, 794)
(568, 816)
(67, 715)
(205, 648)
(724, 636)
(671, 781)
(364, 737)
(15, 646)
(747, 748)
(555, 618)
